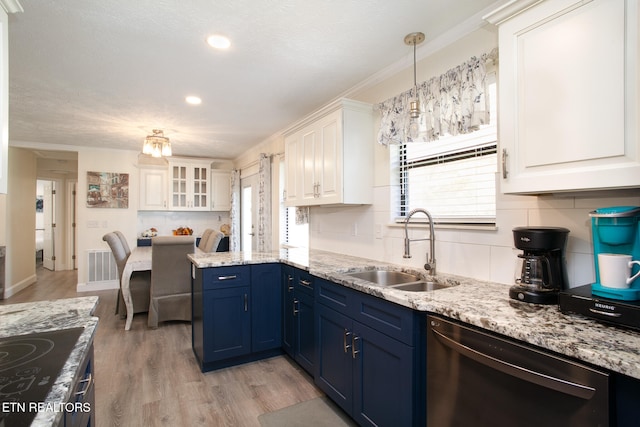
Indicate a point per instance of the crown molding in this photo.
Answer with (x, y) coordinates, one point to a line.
(11, 6)
(509, 10)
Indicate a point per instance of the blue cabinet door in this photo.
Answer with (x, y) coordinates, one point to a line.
(226, 323)
(305, 344)
(382, 379)
(334, 366)
(288, 318)
(266, 307)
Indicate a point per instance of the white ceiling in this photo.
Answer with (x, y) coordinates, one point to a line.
(104, 73)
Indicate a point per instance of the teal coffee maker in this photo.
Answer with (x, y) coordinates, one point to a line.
(615, 231)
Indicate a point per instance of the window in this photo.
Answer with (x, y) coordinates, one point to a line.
(454, 177)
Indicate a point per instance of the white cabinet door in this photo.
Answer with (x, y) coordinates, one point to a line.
(318, 153)
(293, 168)
(220, 190)
(309, 152)
(568, 104)
(328, 156)
(189, 185)
(153, 190)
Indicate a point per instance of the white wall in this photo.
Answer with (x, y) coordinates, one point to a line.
(482, 254)
(20, 220)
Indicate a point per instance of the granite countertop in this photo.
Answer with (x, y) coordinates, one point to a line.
(47, 316)
(483, 304)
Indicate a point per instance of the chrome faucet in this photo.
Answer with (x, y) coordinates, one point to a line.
(430, 266)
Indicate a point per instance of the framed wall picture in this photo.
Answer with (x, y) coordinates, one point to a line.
(107, 190)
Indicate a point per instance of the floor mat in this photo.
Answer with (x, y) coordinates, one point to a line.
(318, 412)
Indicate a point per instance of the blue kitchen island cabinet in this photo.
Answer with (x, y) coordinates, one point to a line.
(369, 354)
(236, 314)
(298, 323)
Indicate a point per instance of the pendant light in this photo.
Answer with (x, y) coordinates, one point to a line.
(157, 145)
(413, 128)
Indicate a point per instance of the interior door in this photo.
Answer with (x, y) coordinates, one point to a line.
(249, 213)
(48, 211)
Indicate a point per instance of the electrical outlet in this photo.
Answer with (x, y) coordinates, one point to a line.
(378, 231)
(354, 229)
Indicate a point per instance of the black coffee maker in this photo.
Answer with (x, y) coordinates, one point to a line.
(541, 271)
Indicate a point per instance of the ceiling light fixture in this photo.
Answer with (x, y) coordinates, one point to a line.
(218, 41)
(414, 39)
(193, 100)
(157, 145)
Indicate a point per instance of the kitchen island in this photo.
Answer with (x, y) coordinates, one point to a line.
(483, 304)
(52, 316)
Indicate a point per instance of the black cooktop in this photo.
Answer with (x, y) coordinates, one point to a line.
(579, 300)
(29, 365)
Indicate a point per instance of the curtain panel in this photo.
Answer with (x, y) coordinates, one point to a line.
(452, 103)
(234, 214)
(264, 204)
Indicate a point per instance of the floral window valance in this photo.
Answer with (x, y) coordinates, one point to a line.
(452, 103)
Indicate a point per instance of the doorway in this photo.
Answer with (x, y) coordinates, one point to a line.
(45, 224)
(248, 213)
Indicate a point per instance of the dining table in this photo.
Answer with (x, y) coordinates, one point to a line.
(139, 260)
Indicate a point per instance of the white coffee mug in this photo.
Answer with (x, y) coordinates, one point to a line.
(615, 270)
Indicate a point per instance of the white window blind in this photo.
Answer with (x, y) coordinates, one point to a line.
(453, 177)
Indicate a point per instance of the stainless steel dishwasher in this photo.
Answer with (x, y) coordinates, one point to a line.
(475, 378)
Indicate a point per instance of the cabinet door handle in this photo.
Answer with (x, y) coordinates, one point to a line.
(354, 338)
(346, 346)
(296, 307)
(246, 302)
(289, 281)
(87, 385)
(505, 154)
(221, 278)
(305, 283)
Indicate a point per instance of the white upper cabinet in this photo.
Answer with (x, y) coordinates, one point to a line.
(329, 156)
(189, 186)
(153, 189)
(568, 95)
(220, 190)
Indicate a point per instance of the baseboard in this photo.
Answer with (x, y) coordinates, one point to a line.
(97, 286)
(17, 287)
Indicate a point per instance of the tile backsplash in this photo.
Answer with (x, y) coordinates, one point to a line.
(484, 254)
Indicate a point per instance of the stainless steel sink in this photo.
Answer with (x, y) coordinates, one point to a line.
(384, 277)
(420, 286)
(401, 281)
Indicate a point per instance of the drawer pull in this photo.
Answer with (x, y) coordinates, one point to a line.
(346, 346)
(87, 385)
(354, 338)
(306, 283)
(221, 278)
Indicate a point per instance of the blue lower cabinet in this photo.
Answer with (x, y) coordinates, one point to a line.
(334, 367)
(382, 379)
(373, 375)
(305, 343)
(236, 314)
(298, 327)
(227, 323)
(266, 307)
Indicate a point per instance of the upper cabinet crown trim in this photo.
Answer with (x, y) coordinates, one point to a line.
(329, 108)
(509, 10)
(11, 6)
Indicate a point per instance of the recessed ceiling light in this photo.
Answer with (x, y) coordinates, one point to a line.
(218, 41)
(193, 100)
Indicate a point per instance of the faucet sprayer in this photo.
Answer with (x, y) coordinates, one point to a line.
(430, 266)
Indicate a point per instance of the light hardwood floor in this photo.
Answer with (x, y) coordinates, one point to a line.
(149, 377)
